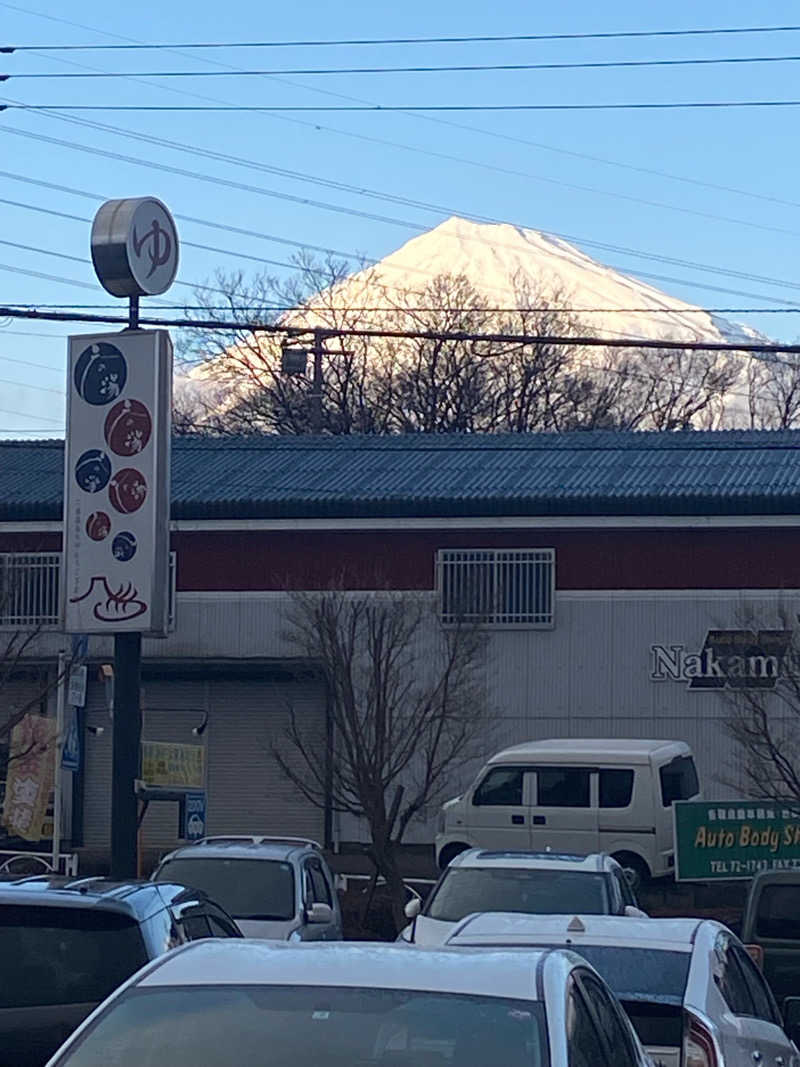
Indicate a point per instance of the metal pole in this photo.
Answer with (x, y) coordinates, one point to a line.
(316, 394)
(125, 754)
(126, 732)
(58, 778)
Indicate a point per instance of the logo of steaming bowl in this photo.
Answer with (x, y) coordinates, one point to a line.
(135, 247)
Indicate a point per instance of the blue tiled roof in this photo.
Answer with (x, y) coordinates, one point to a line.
(590, 473)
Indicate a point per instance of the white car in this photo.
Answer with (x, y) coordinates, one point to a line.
(258, 1002)
(541, 883)
(691, 990)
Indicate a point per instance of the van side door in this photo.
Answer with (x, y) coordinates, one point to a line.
(499, 813)
(564, 816)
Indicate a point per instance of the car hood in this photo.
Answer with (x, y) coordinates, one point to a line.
(267, 929)
(428, 931)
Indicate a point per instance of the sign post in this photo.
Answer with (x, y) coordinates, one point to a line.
(117, 482)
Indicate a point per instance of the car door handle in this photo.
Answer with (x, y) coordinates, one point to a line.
(539, 820)
(779, 1061)
(518, 820)
(757, 1057)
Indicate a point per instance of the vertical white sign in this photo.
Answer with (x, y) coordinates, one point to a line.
(115, 576)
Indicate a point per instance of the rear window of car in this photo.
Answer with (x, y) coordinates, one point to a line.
(464, 890)
(52, 956)
(778, 914)
(647, 974)
(678, 780)
(246, 889)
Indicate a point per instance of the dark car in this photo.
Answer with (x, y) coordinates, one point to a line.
(66, 943)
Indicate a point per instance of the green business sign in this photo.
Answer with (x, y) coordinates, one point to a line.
(721, 839)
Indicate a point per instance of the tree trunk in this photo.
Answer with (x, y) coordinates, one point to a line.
(387, 862)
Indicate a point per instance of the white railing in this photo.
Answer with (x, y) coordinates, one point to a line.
(29, 590)
(42, 862)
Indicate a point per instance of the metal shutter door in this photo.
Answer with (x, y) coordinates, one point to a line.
(247, 791)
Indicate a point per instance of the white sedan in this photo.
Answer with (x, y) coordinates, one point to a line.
(690, 988)
(215, 1004)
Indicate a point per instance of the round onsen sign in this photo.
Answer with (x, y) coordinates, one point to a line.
(135, 247)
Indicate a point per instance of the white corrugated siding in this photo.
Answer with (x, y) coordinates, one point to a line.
(247, 792)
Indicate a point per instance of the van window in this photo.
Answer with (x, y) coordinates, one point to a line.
(563, 787)
(678, 780)
(502, 785)
(616, 787)
(778, 913)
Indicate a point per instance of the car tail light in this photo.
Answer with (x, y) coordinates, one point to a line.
(699, 1048)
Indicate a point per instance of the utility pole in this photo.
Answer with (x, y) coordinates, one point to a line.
(316, 388)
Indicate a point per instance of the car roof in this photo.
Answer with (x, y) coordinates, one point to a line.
(511, 928)
(247, 847)
(136, 898)
(364, 965)
(761, 878)
(527, 860)
(591, 750)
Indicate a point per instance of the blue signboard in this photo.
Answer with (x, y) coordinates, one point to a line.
(193, 816)
(71, 753)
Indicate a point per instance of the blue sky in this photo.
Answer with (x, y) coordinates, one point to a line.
(750, 150)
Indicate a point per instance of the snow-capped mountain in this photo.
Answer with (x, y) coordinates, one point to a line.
(498, 259)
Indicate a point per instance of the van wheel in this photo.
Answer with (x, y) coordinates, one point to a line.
(449, 852)
(634, 868)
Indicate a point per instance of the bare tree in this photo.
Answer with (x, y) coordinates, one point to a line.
(401, 718)
(773, 385)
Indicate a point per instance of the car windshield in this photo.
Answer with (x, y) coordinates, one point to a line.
(287, 1026)
(638, 973)
(54, 956)
(465, 890)
(246, 889)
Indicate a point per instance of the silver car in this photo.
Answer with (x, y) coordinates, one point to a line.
(249, 1002)
(691, 990)
(275, 887)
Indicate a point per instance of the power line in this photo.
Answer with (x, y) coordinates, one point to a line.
(669, 105)
(363, 191)
(357, 41)
(26, 385)
(446, 69)
(793, 309)
(605, 246)
(28, 362)
(27, 415)
(289, 332)
(510, 138)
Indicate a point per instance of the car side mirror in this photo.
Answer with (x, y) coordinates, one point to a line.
(413, 908)
(634, 913)
(319, 913)
(791, 1018)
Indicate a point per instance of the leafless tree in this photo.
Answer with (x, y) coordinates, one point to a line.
(773, 386)
(763, 714)
(406, 710)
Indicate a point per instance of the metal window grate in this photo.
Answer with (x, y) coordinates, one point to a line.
(29, 589)
(497, 587)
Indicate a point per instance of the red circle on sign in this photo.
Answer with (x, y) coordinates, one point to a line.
(127, 490)
(128, 427)
(98, 526)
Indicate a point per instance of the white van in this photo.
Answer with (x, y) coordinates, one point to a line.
(576, 795)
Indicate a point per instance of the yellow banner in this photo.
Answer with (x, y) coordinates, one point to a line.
(173, 765)
(30, 777)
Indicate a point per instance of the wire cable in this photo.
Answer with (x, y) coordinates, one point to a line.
(358, 41)
(241, 109)
(653, 257)
(695, 61)
(294, 331)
